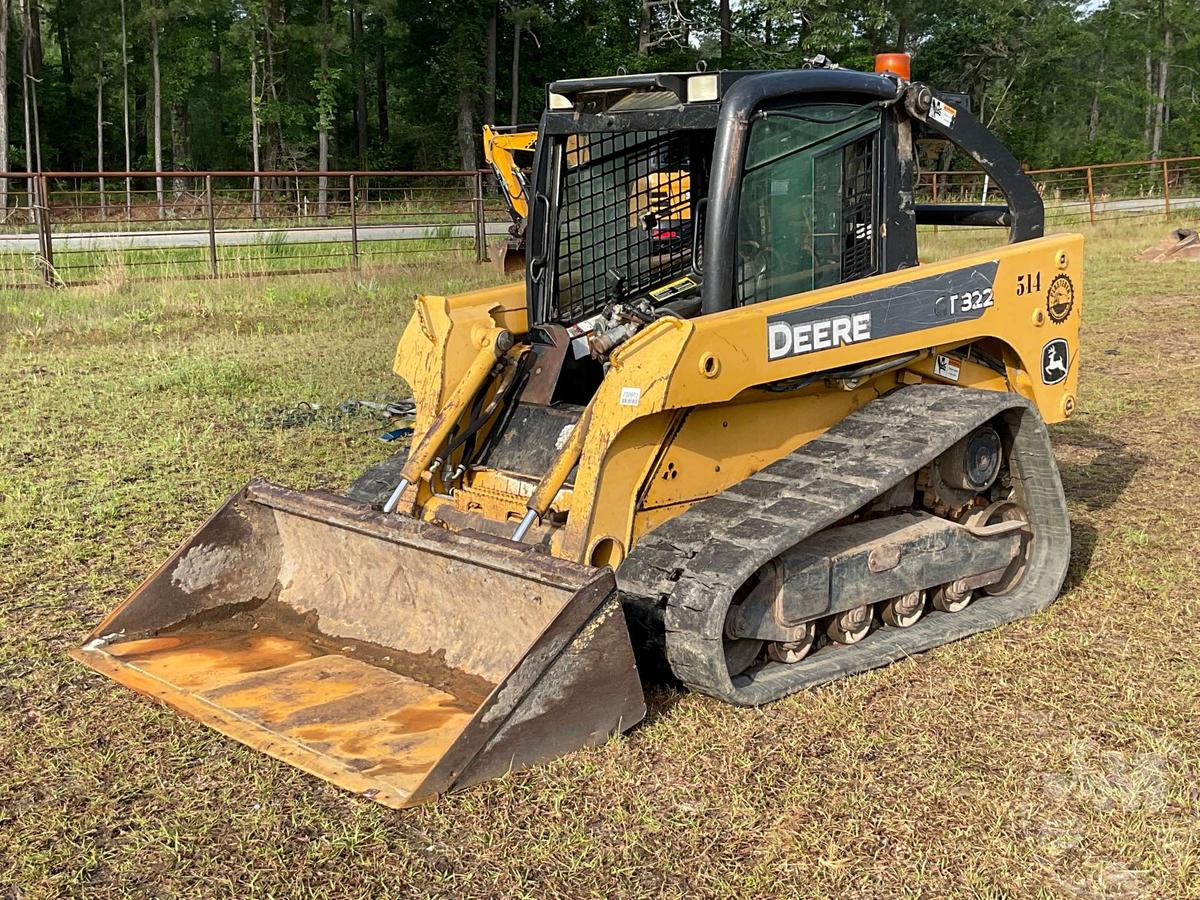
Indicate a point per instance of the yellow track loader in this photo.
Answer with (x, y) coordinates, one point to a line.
(772, 452)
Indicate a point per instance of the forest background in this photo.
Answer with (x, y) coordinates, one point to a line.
(405, 84)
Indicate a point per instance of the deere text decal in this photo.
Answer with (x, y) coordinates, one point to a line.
(914, 306)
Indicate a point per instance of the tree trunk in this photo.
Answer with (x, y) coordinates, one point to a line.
(516, 72)
(1164, 69)
(125, 113)
(1149, 99)
(1094, 115)
(64, 50)
(269, 89)
(100, 128)
(140, 118)
(256, 191)
(381, 83)
(726, 16)
(489, 81)
(466, 130)
(156, 76)
(5, 11)
(25, 79)
(1094, 112)
(324, 113)
(35, 41)
(360, 105)
(35, 28)
(215, 66)
(323, 167)
(644, 22)
(179, 149)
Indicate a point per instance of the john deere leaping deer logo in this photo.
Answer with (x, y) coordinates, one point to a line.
(1056, 361)
(1060, 299)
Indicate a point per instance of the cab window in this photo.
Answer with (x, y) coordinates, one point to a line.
(807, 216)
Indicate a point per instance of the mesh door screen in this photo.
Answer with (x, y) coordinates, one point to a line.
(858, 214)
(626, 212)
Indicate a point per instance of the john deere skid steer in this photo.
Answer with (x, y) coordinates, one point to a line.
(768, 450)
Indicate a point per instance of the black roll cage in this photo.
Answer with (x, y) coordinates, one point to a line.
(743, 94)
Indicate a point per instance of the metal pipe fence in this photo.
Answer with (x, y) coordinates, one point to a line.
(1078, 194)
(66, 228)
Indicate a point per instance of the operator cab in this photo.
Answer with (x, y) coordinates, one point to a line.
(684, 194)
(633, 181)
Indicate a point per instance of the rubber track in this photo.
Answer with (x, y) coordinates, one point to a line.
(679, 580)
(378, 481)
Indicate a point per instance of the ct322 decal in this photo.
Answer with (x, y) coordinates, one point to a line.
(928, 302)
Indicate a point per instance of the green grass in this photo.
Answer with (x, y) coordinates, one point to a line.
(1059, 756)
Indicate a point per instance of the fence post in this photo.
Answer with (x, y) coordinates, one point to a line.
(212, 225)
(935, 196)
(1091, 198)
(45, 239)
(1166, 191)
(353, 227)
(33, 191)
(481, 254)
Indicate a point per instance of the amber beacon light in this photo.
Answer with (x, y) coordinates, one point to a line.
(896, 63)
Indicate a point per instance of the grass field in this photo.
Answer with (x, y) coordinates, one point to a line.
(1059, 756)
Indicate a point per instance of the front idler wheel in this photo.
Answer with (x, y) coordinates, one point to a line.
(741, 654)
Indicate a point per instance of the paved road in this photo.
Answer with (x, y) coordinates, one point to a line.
(168, 239)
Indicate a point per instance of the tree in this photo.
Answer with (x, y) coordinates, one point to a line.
(125, 111)
(29, 68)
(157, 81)
(255, 134)
(100, 128)
(360, 81)
(489, 83)
(5, 19)
(324, 86)
(524, 19)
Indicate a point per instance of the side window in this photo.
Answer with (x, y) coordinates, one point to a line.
(807, 212)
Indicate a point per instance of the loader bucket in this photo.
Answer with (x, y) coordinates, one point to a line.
(389, 656)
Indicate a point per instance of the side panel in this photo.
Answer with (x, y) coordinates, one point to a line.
(1025, 298)
(1026, 295)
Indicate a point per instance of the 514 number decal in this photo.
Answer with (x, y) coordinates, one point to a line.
(1029, 283)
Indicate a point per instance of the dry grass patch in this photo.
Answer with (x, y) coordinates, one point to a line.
(1056, 757)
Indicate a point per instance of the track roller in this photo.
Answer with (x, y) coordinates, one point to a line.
(903, 611)
(793, 651)
(851, 626)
